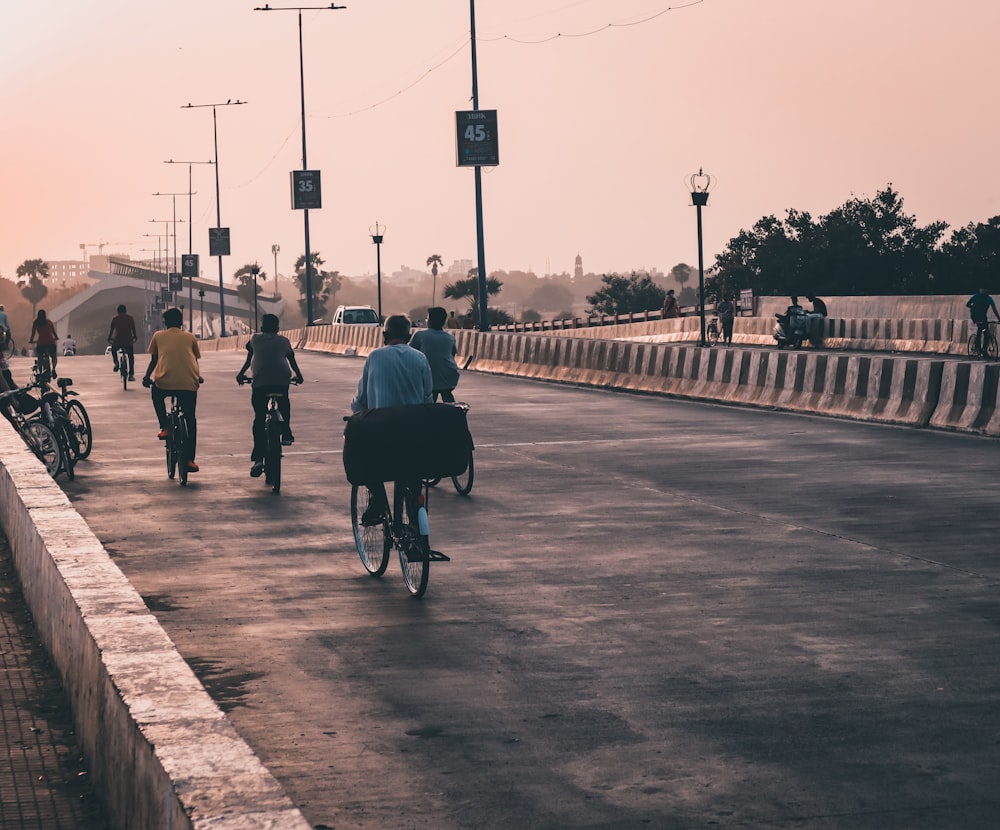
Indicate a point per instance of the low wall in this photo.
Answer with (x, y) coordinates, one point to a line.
(910, 387)
(161, 753)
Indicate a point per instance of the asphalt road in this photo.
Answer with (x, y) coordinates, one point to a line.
(658, 613)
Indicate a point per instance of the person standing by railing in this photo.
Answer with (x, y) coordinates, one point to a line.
(670, 307)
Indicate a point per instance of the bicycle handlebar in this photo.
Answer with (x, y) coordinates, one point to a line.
(249, 379)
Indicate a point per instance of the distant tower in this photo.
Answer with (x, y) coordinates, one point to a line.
(578, 268)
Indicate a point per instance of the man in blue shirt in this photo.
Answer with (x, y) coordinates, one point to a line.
(395, 374)
(439, 347)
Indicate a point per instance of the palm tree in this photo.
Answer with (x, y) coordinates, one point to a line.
(30, 274)
(468, 289)
(434, 260)
(246, 286)
(325, 284)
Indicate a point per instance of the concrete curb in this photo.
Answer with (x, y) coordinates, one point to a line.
(160, 752)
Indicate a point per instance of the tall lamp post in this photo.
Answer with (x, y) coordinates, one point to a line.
(305, 164)
(274, 251)
(218, 207)
(190, 193)
(701, 183)
(484, 317)
(377, 235)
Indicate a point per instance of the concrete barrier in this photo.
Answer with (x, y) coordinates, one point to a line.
(906, 390)
(160, 751)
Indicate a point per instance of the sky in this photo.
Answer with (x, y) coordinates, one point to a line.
(604, 108)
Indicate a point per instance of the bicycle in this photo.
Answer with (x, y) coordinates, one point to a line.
(404, 528)
(712, 332)
(273, 432)
(463, 481)
(38, 436)
(984, 343)
(51, 411)
(121, 358)
(43, 362)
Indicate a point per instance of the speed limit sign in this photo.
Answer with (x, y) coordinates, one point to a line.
(306, 190)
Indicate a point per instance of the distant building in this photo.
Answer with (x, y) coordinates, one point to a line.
(67, 272)
(578, 268)
(461, 268)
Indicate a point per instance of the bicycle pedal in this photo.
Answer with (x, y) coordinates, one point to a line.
(437, 556)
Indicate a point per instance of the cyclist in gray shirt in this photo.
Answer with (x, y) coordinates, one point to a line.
(439, 348)
(271, 361)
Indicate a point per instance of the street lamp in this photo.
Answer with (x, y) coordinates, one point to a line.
(173, 198)
(274, 251)
(377, 235)
(701, 183)
(305, 164)
(223, 246)
(190, 164)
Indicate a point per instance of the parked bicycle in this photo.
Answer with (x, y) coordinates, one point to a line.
(16, 405)
(274, 429)
(984, 342)
(712, 332)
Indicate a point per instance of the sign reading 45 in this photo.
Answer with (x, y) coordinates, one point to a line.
(476, 138)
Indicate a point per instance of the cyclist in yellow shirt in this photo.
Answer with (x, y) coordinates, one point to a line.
(173, 370)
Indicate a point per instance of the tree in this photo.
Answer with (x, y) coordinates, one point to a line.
(325, 285)
(30, 274)
(681, 273)
(434, 260)
(549, 296)
(247, 277)
(969, 260)
(865, 246)
(621, 295)
(468, 289)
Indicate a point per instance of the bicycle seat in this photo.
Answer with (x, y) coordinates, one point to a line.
(62, 383)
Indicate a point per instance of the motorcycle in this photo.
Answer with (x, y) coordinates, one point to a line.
(796, 327)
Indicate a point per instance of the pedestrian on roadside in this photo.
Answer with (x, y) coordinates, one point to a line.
(439, 348)
(670, 307)
(727, 315)
(4, 322)
(819, 307)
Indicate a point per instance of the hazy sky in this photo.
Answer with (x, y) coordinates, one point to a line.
(789, 103)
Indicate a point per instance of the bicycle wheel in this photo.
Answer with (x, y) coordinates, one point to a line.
(973, 349)
(712, 335)
(372, 541)
(80, 421)
(183, 449)
(463, 482)
(989, 346)
(272, 461)
(413, 547)
(67, 449)
(123, 369)
(44, 444)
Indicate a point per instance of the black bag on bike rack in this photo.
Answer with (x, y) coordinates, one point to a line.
(406, 442)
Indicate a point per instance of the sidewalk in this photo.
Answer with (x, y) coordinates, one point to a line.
(43, 782)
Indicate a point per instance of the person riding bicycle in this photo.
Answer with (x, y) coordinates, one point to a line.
(69, 346)
(439, 348)
(271, 361)
(173, 370)
(122, 336)
(394, 375)
(44, 331)
(979, 306)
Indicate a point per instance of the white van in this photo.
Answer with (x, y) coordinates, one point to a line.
(356, 315)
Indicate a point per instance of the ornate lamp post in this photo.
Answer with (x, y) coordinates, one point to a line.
(701, 183)
(377, 235)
